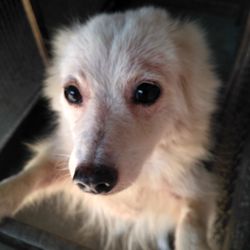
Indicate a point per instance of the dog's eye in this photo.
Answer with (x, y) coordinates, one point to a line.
(146, 93)
(72, 95)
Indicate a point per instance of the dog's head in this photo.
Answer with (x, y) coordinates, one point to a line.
(124, 84)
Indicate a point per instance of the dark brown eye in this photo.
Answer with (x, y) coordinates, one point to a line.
(146, 94)
(72, 95)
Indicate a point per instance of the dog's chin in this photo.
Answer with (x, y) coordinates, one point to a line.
(124, 185)
(129, 179)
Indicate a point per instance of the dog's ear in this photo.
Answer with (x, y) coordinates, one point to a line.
(196, 77)
(61, 40)
(52, 87)
(191, 43)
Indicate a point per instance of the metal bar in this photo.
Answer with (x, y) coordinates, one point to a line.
(35, 30)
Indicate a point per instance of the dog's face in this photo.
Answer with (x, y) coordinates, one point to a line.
(121, 94)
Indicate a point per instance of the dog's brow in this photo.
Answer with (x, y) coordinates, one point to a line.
(83, 75)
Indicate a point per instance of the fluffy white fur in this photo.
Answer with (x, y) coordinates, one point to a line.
(157, 150)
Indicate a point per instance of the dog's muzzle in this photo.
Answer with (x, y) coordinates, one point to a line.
(96, 179)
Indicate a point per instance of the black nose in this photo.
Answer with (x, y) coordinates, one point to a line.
(96, 179)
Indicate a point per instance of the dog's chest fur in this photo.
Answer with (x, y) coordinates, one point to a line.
(137, 213)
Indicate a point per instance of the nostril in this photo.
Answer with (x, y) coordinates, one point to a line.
(80, 178)
(103, 187)
(81, 185)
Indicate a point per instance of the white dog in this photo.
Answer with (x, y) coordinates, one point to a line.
(134, 93)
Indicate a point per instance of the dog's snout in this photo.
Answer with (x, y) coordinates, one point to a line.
(96, 179)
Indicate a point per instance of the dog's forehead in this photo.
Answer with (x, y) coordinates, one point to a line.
(116, 47)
